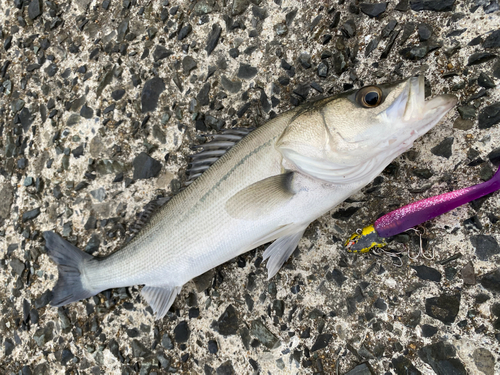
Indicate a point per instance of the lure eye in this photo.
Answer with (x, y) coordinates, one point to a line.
(369, 97)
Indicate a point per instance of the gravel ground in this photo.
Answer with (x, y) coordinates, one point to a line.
(100, 102)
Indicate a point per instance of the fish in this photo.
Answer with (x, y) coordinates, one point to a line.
(379, 233)
(268, 186)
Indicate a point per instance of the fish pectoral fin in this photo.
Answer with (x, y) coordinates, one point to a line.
(160, 298)
(261, 198)
(280, 250)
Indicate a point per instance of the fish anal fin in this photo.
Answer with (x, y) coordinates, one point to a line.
(280, 250)
(261, 198)
(160, 298)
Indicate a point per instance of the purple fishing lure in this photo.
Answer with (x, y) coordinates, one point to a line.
(416, 213)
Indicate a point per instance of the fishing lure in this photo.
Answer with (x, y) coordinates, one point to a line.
(398, 221)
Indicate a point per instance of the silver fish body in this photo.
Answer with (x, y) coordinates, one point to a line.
(270, 186)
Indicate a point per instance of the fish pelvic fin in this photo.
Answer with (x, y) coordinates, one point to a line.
(71, 262)
(160, 298)
(280, 250)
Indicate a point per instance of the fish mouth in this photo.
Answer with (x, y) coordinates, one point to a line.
(419, 115)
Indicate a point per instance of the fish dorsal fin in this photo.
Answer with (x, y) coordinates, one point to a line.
(261, 198)
(280, 250)
(160, 298)
(212, 150)
(145, 216)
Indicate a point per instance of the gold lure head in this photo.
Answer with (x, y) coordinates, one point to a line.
(365, 240)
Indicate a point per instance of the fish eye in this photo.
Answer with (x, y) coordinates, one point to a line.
(369, 97)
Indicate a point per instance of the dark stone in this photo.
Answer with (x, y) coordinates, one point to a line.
(35, 9)
(86, 112)
(51, 70)
(151, 93)
(349, 28)
(491, 281)
(474, 42)
(302, 91)
(321, 342)
(427, 273)
(424, 173)
(485, 81)
(203, 97)
(44, 335)
(489, 116)
(78, 152)
(9, 347)
(161, 53)
(443, 149)
(428, 330)
(388, 29)
(232, 86)
(213, 348)
(441, 357)
(182, 332)
(486, 246)
(468, 274)
(139, 350)
(456, 33)
(493, 40)
(213, 38)
(305, 60)
(56, 192)
(424, 31)
(133, 332)
(373, 10)
(234, 52)
(444, 308)
(484, 360)
(260, 13)
(467, 112)
(403, 366)
(93, 244)
(167, 342)
(421, 50)
(43, 300)
(337, 276)
(246, 71)
(66, 356)
(228, 322)
(145, 166)
(118, 94)
(17, 266)
(434, 5)
(31, 214)
(188, 64)
(380, 304)
(362, 369)
(372, 45)
(408, 29)
(402, 6)
(494, 156)
(226, 369)
(480, 57)
(264, 335)
(184, 31)
(32, 67)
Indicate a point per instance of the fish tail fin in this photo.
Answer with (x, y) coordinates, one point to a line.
(70, 263)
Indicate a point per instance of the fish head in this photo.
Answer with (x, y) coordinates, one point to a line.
(355, 135)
